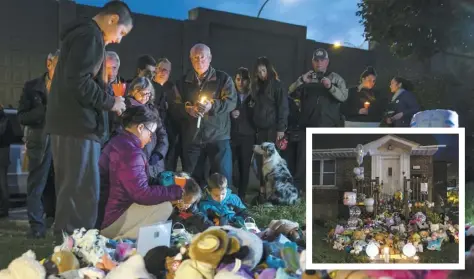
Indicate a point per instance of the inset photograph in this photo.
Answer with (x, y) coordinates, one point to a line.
(385, 198)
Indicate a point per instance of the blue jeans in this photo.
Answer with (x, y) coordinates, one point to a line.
(218, 154)
(39, 166)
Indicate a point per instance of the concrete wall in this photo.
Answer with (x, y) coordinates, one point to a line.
(28, 35)
(236, 40)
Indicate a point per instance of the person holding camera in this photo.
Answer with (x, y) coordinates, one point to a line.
(321, 93)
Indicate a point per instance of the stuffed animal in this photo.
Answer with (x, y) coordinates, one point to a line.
(358, 235)
(248, 239)
(359, 246)
(88, 246)
(26, 266)
(134, 267)
(206, 253)
(155, 259)
(418, 246)
(234, 270)
(339, 244)
(171, 266)
(64, 261)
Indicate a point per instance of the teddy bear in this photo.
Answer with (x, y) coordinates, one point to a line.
(26, 266)
(339, 244)
(247, 239)
(358, 235)
(206, 252)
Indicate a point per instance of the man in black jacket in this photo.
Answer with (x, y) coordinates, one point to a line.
(320, 93)
(31, 114)
(6, 138)
(205, 96)
(75, 114)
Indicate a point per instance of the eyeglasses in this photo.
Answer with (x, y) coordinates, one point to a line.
(152, 131)
(144, 93)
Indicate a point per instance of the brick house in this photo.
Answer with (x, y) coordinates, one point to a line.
(388, 158)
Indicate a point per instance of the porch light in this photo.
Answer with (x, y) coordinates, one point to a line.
(409, 250)
(372, 250)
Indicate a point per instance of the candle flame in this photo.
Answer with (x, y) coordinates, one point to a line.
(203, 99)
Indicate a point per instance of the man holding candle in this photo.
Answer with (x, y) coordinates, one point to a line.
(209, 95)
(74, 117)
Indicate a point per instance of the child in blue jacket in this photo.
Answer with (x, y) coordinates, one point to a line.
(220, 205)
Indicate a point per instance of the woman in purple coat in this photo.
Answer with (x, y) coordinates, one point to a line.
(128, 201)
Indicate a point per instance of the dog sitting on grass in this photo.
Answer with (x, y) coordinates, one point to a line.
(277, 177)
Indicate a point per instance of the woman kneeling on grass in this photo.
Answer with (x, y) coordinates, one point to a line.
(130, 202)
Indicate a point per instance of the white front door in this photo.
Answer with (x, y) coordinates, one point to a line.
(391, 175)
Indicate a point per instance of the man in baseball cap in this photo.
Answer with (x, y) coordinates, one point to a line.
(320, 54)
(320, 93)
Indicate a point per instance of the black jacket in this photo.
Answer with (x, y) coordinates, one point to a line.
(319, 106)
(405, 102)
(215, 125)
(33, 101)
(355, 101)
(78, 99)
(32, 111)
(196, 223)
(243, 125)
(7, 135)
(161, 93)
(293, 131)
(271, 106)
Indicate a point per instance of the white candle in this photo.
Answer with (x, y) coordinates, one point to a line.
(203, 99)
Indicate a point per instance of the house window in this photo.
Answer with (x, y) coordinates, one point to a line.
(324, 173)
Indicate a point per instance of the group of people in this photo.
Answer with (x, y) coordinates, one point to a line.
(110, 139)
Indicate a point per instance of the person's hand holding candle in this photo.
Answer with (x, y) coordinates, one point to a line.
(365, 109)
(204, 105)
(119, 89)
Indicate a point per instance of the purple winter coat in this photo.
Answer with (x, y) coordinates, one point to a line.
(124, 178)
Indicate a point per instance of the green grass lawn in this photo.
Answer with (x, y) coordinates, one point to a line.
(13, 241)
(324, 253)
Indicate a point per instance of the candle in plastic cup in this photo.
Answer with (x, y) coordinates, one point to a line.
(180, 181)
(366, 105)
(119, 89)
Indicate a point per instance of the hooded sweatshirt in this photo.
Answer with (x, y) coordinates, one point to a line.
(78, 99)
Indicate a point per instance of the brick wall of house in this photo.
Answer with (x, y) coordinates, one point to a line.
(327, 203)
(426, 170)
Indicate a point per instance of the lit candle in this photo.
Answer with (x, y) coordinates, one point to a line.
(386, 251)
(203, 100)
(367, 104)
